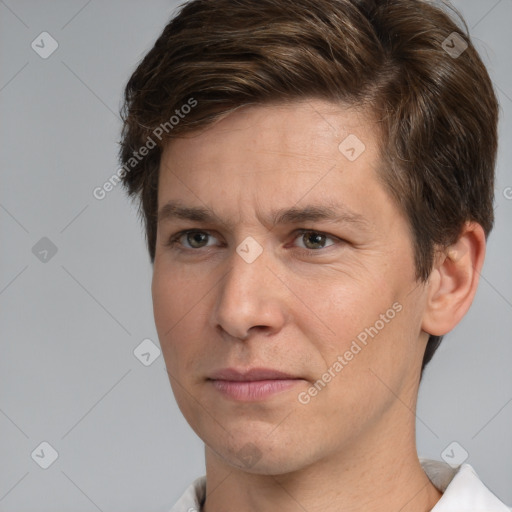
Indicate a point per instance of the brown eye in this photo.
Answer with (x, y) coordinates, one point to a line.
(196, 239)
(191, 239)
(314, 240)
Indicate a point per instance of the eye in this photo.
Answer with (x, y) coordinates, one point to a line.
(313, 240)
(196, 239)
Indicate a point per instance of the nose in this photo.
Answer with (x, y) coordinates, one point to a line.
(251, 298)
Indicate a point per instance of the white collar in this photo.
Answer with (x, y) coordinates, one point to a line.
(462, 489)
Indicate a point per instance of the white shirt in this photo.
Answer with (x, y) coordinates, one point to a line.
(462, 489)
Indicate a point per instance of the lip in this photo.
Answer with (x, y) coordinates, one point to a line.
(252, 374)
(252, 385)
(253, 391)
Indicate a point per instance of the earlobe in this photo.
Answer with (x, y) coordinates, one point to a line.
(454, 281)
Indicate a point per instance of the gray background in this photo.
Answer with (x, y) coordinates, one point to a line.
(69, 325)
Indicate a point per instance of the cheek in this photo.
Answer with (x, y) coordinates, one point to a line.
(164, 301)
(347, 307)
(174, 293)
(175, 306)
(370, 325)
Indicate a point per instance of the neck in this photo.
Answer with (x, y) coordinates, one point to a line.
(386, 478)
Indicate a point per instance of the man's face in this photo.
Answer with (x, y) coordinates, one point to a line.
(296, 296)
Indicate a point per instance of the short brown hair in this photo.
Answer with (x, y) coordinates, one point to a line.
(437, 110)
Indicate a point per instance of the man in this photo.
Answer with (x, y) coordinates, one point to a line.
(316, 180)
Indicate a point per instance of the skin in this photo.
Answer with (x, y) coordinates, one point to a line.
(296, 308)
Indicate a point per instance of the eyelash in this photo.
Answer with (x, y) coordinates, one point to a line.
(174, 240)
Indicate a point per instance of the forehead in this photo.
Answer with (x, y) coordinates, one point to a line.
(271, 157)
(302, 132)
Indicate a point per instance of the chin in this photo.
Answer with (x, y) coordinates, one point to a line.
(263, 463)
(257, 455)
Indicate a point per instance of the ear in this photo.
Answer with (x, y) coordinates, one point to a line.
(453, 281)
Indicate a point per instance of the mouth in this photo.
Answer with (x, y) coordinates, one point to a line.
(252, 385)
(251, 375)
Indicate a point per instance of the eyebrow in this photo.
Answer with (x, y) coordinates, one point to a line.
(293, 215)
